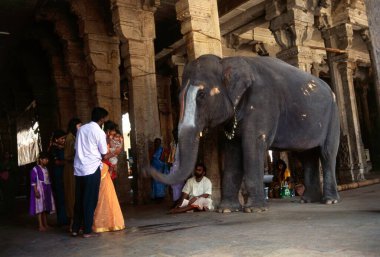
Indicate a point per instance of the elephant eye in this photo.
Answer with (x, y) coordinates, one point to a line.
(201, 94)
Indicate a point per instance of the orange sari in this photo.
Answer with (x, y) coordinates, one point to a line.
(108, 216)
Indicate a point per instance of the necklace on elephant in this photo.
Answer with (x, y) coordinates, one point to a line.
(231, 135)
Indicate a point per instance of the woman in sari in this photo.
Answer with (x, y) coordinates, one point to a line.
(108, 215)
(68, 173)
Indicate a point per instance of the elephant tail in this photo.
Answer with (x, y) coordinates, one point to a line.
(331, 143)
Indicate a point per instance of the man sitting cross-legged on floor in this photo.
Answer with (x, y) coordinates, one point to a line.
(196, 194)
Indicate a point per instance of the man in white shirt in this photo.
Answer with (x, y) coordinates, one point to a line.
(90, 147)
(196, 194)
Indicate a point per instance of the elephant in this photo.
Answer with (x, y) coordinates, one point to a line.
(262, 103)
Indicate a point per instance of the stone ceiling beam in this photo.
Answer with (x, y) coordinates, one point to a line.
(242, 17)
(251, 10)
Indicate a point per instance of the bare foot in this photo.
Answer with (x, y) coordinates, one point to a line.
(172, 211)
(41, 229)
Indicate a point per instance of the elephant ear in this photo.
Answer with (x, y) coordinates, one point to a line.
(237, 77)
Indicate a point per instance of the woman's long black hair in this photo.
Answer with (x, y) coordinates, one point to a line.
(72, 127)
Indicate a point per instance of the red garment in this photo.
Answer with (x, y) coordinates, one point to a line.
(111, 170)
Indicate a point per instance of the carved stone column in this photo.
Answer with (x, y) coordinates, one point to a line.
(101, 50)
(60, 79)
(373, 9)
(200, 27)
(178, 63)
(351, 161)
(292, 25)
(134, 23)
(81, 100)
(350, 126)
(164, 109)
(362, 90)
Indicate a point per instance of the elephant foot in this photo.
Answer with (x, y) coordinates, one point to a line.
(228, 207)
(305, 201)
(228, 210)
(254, 209)
(224, 210)
(311, 198)
(331, 201)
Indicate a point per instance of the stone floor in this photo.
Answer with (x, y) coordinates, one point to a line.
(350, 228)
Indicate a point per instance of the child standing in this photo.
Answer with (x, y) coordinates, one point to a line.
(41, 197)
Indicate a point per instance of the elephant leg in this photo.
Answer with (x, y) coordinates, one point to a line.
(254, 174)
(232, 176)
(330, 190)
(310, 163)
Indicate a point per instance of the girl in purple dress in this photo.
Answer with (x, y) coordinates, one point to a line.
(41, 197)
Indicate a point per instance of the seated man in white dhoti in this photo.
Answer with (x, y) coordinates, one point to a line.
(196, 194)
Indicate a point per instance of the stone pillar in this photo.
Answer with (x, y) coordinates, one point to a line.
(61, 80)
(78, 70)
(351, 161)
(201, 30)
(164, 109)
(292, 26)
(179, 64)
(351, 127)
(200, 27)
(73, 52)
(372, 38)
(134, 23)
(64, 91)
(362, 90)
(373, 10)
(101, 50)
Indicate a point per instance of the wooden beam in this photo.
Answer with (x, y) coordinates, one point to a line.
(328, 49)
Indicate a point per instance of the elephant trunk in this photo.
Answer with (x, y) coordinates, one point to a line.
(187, 153)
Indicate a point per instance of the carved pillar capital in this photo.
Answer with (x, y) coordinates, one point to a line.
(319, 67)
(274, 8)
(200, 27)
(292, 26)
(342, 36)
(365, 35)
(235, 42)
(179, 63)
(346, 67)
(132, 20)
(150, 5)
